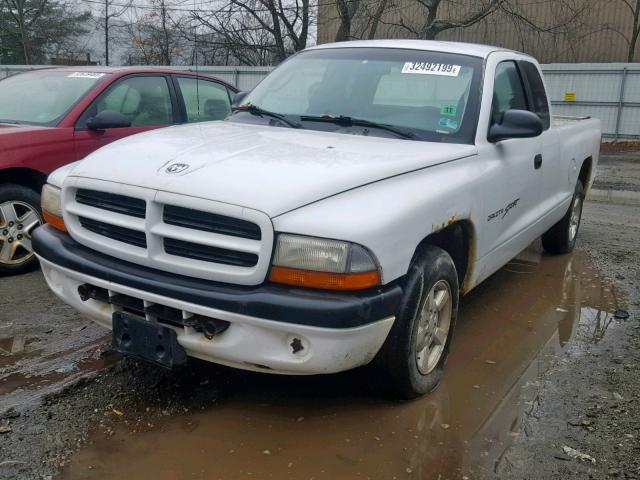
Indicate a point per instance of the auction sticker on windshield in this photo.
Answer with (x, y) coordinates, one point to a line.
(86, 75)
(428, 68)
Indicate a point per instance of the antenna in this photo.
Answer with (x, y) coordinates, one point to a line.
(195, 51)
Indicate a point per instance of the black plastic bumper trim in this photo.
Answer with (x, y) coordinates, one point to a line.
(272, 302)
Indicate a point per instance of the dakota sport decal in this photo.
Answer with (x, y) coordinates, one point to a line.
(503, 211)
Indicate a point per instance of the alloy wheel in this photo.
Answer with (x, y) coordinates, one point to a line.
(17, 221)
(576, 213)
(434, 322)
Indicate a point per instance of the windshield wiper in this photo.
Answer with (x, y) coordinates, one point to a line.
(350, 121)
(255, 110)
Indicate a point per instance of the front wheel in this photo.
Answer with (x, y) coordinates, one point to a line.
(417, 348)
(19, 216)
(561, 238)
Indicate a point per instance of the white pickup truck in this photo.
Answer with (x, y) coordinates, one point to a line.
(333, 220)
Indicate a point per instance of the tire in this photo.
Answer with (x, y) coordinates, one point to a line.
(411, 372)
(20, 213)
(561, 238)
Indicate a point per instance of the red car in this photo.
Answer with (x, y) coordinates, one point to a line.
(52, 117)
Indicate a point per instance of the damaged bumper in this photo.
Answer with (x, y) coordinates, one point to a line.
(265, 328)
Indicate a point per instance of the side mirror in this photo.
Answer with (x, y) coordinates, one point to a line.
(108, 119)
(516, 124)
(238, 98)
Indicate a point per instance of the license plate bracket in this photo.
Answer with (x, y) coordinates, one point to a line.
(136, 337)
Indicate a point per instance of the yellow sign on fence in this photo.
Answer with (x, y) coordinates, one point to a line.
(570, 96)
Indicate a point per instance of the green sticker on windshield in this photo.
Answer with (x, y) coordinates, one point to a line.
(449, 110)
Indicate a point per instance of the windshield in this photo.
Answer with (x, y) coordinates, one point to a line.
(431, 94)
(43, 97)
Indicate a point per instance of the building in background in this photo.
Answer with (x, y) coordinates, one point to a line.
(551, 30)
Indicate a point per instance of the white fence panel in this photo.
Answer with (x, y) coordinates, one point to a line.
(608, 91)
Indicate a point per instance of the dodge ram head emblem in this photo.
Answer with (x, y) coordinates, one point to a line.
(176, 168)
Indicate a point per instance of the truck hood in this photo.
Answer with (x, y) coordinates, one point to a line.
(272, 169)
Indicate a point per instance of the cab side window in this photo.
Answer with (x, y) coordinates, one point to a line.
(508, 91)
(146, 101)
(540, 104)
(204, 101)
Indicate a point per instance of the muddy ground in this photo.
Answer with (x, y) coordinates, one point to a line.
(591, 400)
(539, 363)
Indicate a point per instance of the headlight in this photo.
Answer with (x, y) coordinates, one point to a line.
(52, 207)
(322, 263)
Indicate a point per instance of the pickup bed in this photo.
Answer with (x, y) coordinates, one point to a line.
(332, 221)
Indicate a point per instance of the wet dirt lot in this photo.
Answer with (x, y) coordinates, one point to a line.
(44, 344)
(334, 427)
(137, 421)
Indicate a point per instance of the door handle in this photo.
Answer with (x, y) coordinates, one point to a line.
(537, 161)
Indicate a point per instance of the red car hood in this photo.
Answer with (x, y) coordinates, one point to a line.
(27, 143)
(11, 129)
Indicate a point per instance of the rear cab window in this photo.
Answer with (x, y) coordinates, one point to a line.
(539, 103)
(204, 100)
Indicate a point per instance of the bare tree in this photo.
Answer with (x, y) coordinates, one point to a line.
(357, 19)
(347, 11)
(257, 31)
(379, 10)
(630, 38)
(436, 21)
(156, 37)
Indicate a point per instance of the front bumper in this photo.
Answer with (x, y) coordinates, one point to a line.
(338, 331)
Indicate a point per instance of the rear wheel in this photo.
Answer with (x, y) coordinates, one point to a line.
(561, 238)
(417, 348)
(20, 214)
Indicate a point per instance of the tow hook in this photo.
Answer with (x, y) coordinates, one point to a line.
(210, 327)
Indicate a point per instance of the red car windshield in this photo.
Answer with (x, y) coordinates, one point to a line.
(43, 97)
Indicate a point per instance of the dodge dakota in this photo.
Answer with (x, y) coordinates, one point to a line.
(334, 220)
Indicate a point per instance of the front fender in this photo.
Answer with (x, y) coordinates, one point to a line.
(57, 177)
(391, 217)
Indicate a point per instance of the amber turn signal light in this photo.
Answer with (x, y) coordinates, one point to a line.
(324, 280)
(54, 221)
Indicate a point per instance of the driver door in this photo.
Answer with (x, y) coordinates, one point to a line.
(145, 99)
(515, 180)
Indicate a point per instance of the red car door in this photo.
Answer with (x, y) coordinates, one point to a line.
(145, 99)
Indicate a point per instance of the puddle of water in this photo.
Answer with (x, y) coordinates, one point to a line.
(510, 330)
(12, 345)
(26, 381)
(13, 349)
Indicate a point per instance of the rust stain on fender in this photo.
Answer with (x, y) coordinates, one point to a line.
(435, 228)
